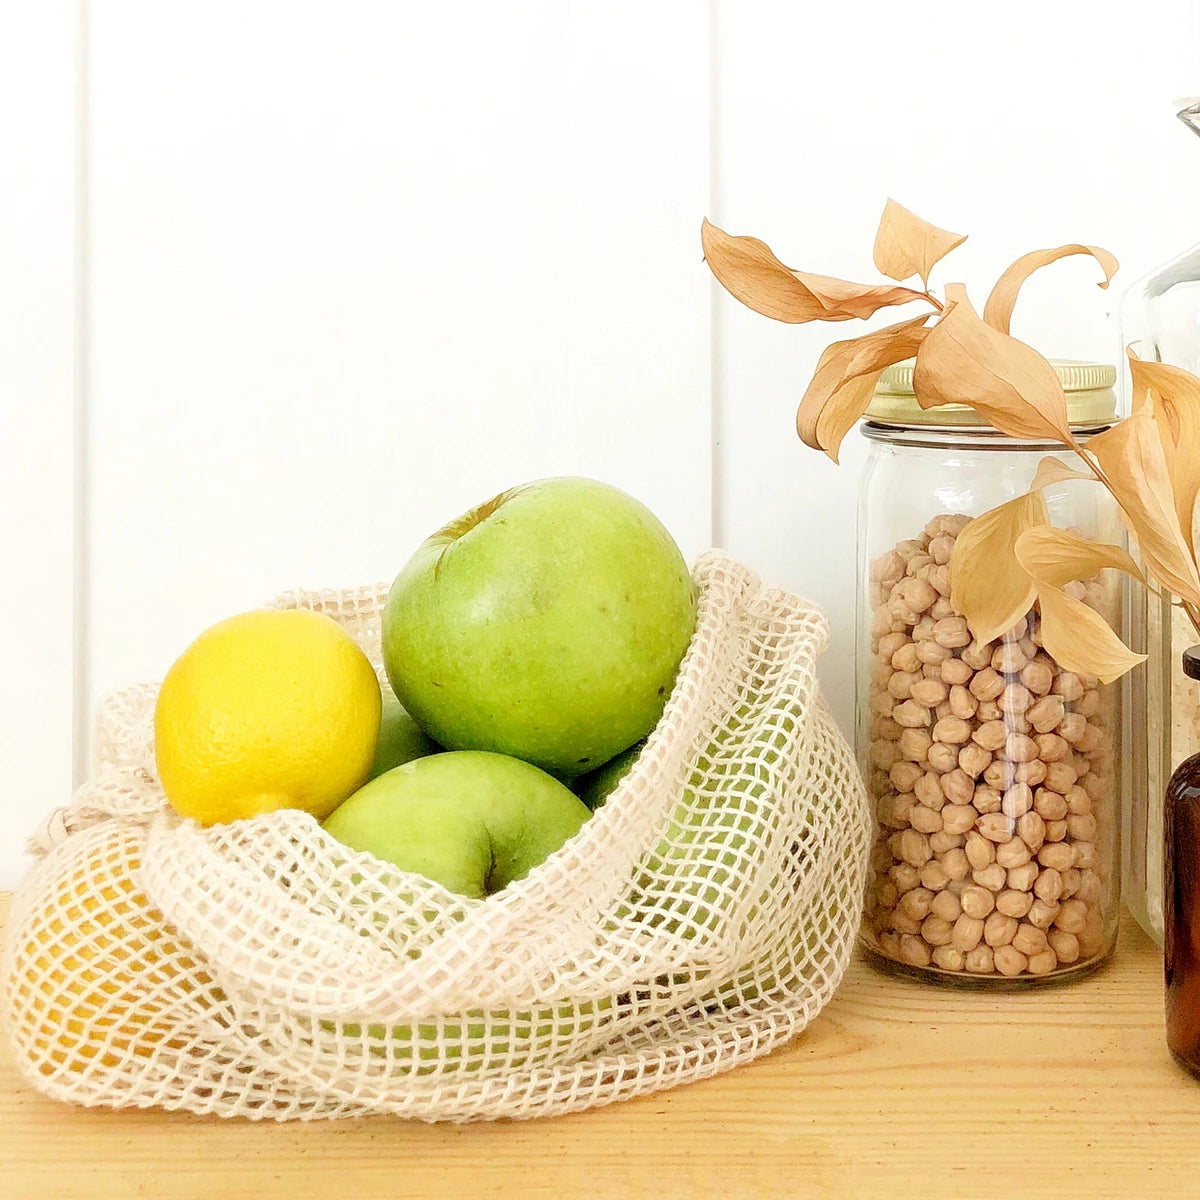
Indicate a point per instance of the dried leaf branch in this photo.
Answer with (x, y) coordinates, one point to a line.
(1011, 557)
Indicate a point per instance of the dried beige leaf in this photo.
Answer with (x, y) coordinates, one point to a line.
(1134, 462)
(1079, 639)
(1053, 470)
(906, 246)
(1172, 396)
(747, 269)
(844, 382)
(987, 583)
(997, 312)
(1057, 556)
(964, 361)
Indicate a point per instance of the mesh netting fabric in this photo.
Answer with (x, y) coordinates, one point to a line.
(702, 916)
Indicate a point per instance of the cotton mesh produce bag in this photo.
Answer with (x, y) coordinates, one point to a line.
(702, 916)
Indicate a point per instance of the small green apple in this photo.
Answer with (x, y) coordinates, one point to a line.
(470, 820)
(466, 1042)
(596, 786)
(400, 740)
(548, 624)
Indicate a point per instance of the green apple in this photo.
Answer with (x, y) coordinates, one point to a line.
(400, 739)
(548, 623)
(470, 820)
(596, 786)
(464, 1042)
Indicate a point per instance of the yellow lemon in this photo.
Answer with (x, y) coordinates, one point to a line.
(96, 976)
(266, 710)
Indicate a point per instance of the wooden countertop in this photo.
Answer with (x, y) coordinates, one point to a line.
(895, 1091)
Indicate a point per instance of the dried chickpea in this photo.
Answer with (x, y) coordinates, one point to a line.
(1079, 802)
(991, 735)
(1042, 913)
(952, 730)
(1042, 963)
(992, 877)
(980, 961)
(1021, 878)
(929, 693)
(996, 827)
(948, 958)
(914, 744)
(1065, 945)
(1009, 659)
(986, 799)
(977, 901)
(928, 790)
(1010, 961)
(925, 820)
(942, 757)
(947, 905)
(1056, 831)
(904, 775)
(1020, 748)
(1031, 773)
(1056, 855)
(1018, 800)
(1084, 856)
(1013, 853)
(1049, 885)
(998, 929)
(1016, 698)
(914, 951)
(931, 654)
(978, 851)
(1031, 829)
(1013, 903)
(1047, 714)
(914, 848)
(936, 930)
(977, 655)
(1038, 675)
(973, 759)
(999, 774)
(951, 632)
(1029, 939)
(955, 672)
(967, 933)
(957, 786)
(958, 818)
(910, 714)
(1051, 747)
(956, 864)
(1072, 914)
(942, 841)
(986, 684)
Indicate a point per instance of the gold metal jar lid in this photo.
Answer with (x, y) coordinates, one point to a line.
(1091, 400)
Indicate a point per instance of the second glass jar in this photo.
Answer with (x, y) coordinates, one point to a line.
(992, 771)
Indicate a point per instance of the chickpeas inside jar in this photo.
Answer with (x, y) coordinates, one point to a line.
(993, 772)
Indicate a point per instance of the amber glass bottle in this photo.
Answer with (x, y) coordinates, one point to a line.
(1181, 901)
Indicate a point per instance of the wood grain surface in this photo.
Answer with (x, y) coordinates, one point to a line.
(897, 1090)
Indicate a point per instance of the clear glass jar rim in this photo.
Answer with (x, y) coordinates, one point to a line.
(977, 437)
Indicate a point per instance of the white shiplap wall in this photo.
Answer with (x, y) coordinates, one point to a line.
(348, 269)
(37, 417)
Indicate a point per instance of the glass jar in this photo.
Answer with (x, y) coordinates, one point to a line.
(1160, 319)
(1181, 899)
(992, 772)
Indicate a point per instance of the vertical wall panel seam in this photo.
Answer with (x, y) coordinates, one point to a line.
(716, 425)
(81, 711)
